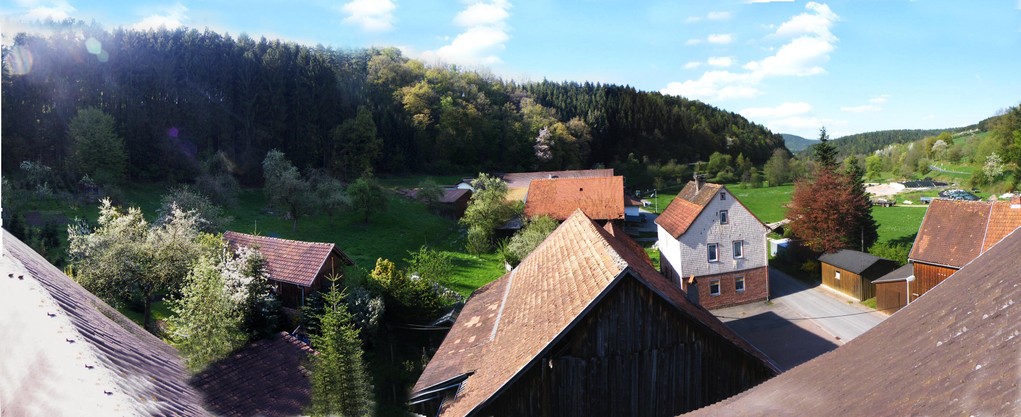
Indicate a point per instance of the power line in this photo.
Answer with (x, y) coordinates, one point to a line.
(802, 318)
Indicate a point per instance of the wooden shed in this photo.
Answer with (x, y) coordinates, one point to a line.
(852, 272)
(892, 289)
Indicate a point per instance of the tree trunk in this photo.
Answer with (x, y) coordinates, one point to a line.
(147, 314)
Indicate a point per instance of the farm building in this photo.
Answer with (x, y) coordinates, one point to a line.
(955, 232)
(952, 352)
(297, 268)
(585, 326)
(852, 272)
(68, 353)
(600, 198)
(712, 247)
(892, 289)
(453, 201)
(519, 182)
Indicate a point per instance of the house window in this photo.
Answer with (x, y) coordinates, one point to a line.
(723, 196)
(714, 287)
(723, 217)
(739, 284)
(738, 249)
(714, 252)
(836, 274)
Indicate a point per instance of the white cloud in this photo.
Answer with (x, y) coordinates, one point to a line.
(170, 18)
(484, 36)
(722, 38)
(784, 110)
(802, 56)
(718, 16)
(370, 15)
(816, 21)
(880, 99)
(692, 65)
(861, 109)
(720, 61)
(692, 19)
(48, 10)
(715, 85)
(693, 42)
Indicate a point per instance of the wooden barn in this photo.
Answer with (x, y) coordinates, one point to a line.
(852, 272)
(585, 326)
(296, 268)
(892, 289)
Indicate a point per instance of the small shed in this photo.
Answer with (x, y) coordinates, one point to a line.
(892, 289)
(852, 272)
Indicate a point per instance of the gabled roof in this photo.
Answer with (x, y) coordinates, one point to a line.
(66, 352)
(899, 274)
(266, 378)
(955, 232)
(688, 204)
(451, 195)
(290, 261)
(600, 198)
(952, 352)
(852, 260)
(523, 179)
(505, 326)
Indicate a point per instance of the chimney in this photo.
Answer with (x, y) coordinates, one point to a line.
(699, 182)
(1015, 201)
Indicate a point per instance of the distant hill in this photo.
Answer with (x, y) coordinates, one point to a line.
(797, 143)
(868, 142)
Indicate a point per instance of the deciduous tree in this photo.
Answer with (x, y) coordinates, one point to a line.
(284, 187)
(367, 196)
(487, 210)
(97, 150)
(206, 326)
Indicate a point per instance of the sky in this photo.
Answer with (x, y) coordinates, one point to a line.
(794, 66)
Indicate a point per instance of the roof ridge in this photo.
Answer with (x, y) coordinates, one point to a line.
(281, 239)
(985, 233)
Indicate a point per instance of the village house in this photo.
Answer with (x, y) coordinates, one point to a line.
(713, 247)
(296, 268)
(585, 326)
(519, 182)
(600, 198)
(954, 233)
(953, 352)
(852, 272)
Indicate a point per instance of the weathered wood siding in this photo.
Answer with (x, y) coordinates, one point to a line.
(891, 296)
(633, 355)
(849, 283)
(927, 276)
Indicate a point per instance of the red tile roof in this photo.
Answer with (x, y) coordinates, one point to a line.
(955, 232)
(953, 352)
(523, 179)
(506, 326)
(290, 261)
(266, 378)
(1003, 219)
(66, 352)
(688, 204)
(601, 198)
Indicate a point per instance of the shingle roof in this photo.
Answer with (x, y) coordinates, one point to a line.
(523, 313)
(600, 198)
(683, 210)
(952, 352)
(266, 378)
(955, 232)
(290, 261)
(899, 274)
(66, 352)
(851, 260)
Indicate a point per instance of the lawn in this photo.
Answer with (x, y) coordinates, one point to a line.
(768, 203)
(898, 223)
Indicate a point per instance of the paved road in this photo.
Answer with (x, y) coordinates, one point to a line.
(830, 311)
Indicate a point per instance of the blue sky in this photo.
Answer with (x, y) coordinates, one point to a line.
(794, 66)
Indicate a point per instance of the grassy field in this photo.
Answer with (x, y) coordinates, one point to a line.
(898, 223)
(769, 204)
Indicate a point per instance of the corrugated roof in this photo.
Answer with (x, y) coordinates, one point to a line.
(951, 233)
(851, 260)
(684, 208)
(267, 378)
(291, 261)
(952, 352)
(600, 198)
(66, 352)
(899, 274)
(528, 309)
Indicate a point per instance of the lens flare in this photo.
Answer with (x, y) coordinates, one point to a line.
(173, 132)
(19, 60)
(93, 46)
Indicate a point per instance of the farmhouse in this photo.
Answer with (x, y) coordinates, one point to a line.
(297, 268)
(852, 273)
(954, 233)
(585, 326)
(67, 353)
(600, 198)
(951, 352)
(713, 247)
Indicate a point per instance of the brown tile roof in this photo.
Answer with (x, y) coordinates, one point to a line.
(682, 211)
(532, 310)
(451, 195)
(951, 233)
(523, 179)
(952, 352)
(290, 261)
(1003, 219)
(66, 352)
(601, 198)
(266, 378)
(617, 231)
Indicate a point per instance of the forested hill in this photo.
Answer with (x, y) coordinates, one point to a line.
(868, 142)
(796, 143)
(179, 97)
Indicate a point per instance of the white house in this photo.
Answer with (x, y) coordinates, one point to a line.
(713, 247)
